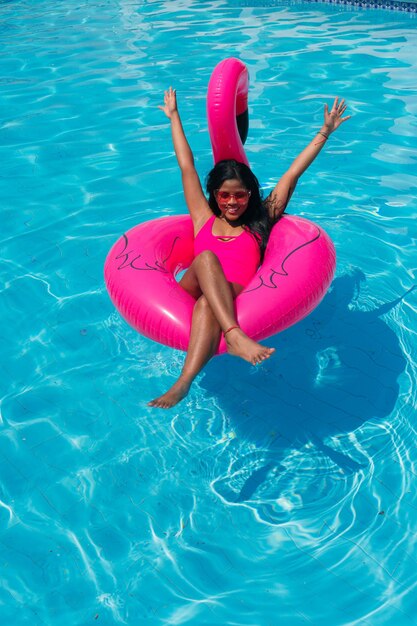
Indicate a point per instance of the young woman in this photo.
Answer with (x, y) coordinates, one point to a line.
(231, 231)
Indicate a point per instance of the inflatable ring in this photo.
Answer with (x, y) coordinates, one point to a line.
(141, 268)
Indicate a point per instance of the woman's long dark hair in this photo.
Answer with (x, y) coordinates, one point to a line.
(255, 218)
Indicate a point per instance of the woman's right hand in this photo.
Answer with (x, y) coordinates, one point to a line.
(170, 102)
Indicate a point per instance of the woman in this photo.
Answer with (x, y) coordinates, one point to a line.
(231, 230)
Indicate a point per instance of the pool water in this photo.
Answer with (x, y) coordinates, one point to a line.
(284, 494)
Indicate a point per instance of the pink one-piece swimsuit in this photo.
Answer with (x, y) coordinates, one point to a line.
(239, 255)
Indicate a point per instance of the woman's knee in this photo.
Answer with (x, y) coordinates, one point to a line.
(202, 304)
(207, 257)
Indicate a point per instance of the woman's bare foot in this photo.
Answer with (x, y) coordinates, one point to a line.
(175, 394)
(241, 345)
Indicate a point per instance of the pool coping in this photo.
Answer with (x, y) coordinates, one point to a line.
(407, 6)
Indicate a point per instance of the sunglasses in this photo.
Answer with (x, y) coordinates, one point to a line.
(240, 196)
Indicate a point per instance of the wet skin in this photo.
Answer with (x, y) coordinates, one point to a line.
(214, 308)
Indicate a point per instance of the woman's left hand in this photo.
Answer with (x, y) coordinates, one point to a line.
(334, 118)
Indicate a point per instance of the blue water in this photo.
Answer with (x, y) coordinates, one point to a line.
(279, 495)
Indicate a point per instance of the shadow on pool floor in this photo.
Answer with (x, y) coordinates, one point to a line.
(331, 372)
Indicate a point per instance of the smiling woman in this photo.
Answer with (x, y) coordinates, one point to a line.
(231, 231)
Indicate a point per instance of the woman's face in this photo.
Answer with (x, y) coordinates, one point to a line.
(232, 199)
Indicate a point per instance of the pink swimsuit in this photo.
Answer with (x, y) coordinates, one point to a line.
(239, 256)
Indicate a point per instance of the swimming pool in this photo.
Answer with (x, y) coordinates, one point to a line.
(281, 495)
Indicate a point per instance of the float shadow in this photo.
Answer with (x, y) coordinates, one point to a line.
(331, 372)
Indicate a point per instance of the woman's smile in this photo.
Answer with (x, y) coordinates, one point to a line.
(232, 198)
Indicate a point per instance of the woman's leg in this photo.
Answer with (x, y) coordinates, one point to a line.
(204, 340)
(213, 312)
(220, 296)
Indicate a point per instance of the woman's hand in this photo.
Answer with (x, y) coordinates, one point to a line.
(334, 118)
(170, 102)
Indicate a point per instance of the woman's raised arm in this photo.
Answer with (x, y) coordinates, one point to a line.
(278, 199)
(194, 195)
